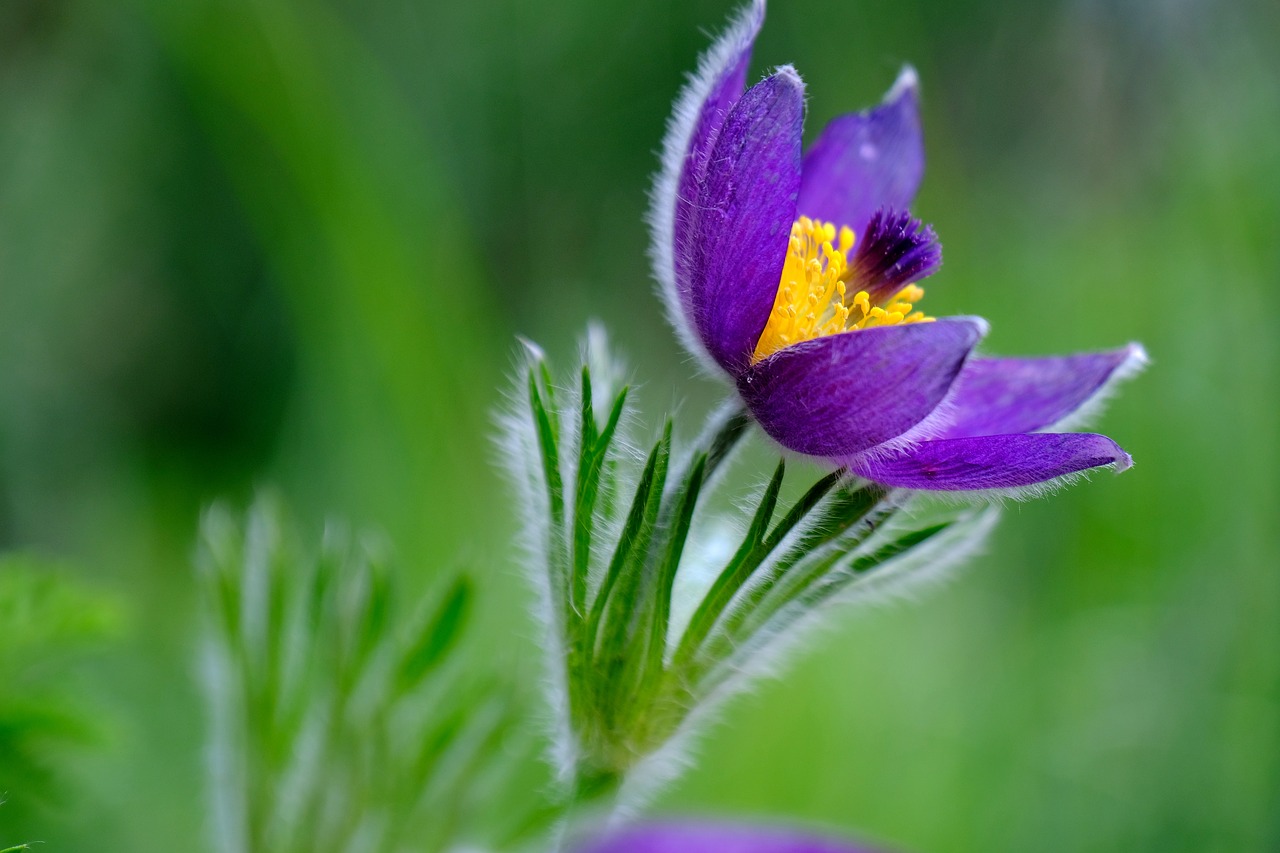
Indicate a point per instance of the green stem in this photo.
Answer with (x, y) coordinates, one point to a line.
(592, 800)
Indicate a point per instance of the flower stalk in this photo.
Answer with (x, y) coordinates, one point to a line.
(793, 273)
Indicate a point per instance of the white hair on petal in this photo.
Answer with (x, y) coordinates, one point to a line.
(1034, 491)
(907, 79)
(934, 426)
(675, 145)
(1135, 361)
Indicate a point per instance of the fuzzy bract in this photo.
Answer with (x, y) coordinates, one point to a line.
(658, 602)
(794, 274)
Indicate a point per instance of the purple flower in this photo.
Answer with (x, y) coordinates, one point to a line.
(795, 273)
(718, 838)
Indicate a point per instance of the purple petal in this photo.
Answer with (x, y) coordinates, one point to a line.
(840, 395)
(696, 120)
(993, 461)
(742, 219)
(996, 396)
(724, 92)
(893, 251)
(719, 838)
(865, 161)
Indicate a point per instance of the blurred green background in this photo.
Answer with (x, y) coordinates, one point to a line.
(289, 242)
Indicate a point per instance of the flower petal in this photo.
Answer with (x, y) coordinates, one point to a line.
(993, 461)
(840, 395)
(997, 396)
(742, 218)
(696, 119)
(718, 838)
(865, 161)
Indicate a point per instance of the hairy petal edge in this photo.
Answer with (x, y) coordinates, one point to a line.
(844, 394)
(993, 462)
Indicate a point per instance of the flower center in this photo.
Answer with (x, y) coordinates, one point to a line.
(813, 299)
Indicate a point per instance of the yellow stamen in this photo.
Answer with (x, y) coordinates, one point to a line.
(812, 301)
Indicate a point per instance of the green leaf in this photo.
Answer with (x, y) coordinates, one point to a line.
(587, 418)
(362, 733)
(734, 575)
(839, 515)
(870, 562)
(51, 623)
(644, 506)
(546, 420)
(801, 509)
(438, 635)
(724, 430)
(548, 441)
(626, 603)
(849, 517)
(656, 641)
(549, 392)
(817, 584)
(374, 611)
(728, 432)
(593, 452)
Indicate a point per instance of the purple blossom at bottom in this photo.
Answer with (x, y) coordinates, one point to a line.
(719, 838)
(898, 400)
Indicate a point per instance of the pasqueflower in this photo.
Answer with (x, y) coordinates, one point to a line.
(795, 274)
